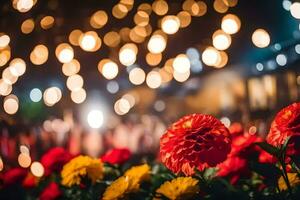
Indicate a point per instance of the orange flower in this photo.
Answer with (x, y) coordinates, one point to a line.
(195, 141)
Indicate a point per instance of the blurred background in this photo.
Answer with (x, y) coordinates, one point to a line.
(94, 75)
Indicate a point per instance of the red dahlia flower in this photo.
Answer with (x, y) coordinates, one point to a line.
(234, 167)
(244, 145)
(51, 192)
(286, 124)
(236, 164)
(54, 159)
(195, 141)
(116, 156)
(14, 176)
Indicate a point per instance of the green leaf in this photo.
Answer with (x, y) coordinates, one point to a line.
(266, 169)
(269, 148)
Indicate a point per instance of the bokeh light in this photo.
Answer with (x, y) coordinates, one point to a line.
(184, 18)
(8, 76)
(141, 18)
(52, 95)
(297, 48)
(27, 26)
(112, 87)
(261, 38)
(137, 76)
(24, 160)
(160, 7)
(17, 67)
(159, 105)
(64, 53)
(221, 40)
(210, 56)
(112, 39)
(4, 40)
(23, 5)
(90, 41)
(1, 164)
(153, 59)
(295, 10)
(222, 60)
(281, 59)
(127, 54)
(108, 68)
(153, 79)
(119, 11)
(157, 43)
(74, 82)
(39, 54)
(47, 22)
(71, 68)
(95, 119)
(78, 96)
(36, 95)
(74, 37)
(5, 88)
(5, 55)
(170, 24)
(37, 169)
(181, 77)
(98, 19)
(11, 104)
(231, 24)
(181, 63)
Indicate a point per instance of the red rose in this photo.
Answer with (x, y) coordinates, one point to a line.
(30, 181)
(14, 176)
(195, 141)
(116, 156)
(51, 192)
(234, 167)
(286, 124)
(54, 160)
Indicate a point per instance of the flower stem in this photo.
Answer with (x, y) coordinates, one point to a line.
(284, 172)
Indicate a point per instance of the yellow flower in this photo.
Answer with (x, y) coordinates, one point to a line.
(293, 179)
(79, 167)
(138, 174)
(128, 183)
(179, 188)
(118, 189)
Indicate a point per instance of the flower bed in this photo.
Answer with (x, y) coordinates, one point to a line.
(199, 159)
